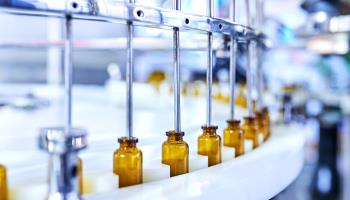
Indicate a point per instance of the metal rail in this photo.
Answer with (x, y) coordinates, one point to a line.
(124, 12)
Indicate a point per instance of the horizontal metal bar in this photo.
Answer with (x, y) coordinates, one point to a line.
(102, 10)
(140, 43)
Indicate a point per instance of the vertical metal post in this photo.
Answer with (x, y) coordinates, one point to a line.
(249, 64)
(63, 143)
(129, 78)
(233, 51)
(260, 77)
(260, 81)
(249, 78)
(177, 79)
(247, 7)
(68, 62)
(210, 66)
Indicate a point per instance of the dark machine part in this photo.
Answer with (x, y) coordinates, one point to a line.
(224, 63)
(331, 7)
(287, 108)
(325, 184)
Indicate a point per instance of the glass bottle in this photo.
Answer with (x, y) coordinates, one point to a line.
(266, 116)
(209, 144)
(261, 124)
(234, 137)
(3, 183)
(156, 78)
(127, 162)
(250, 130)
(175, 153)
(80, 175)
(241, 99)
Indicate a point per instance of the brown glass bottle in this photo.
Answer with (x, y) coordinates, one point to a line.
(175, 153)
(261, 124)
(241, 99)
(250, 130)
(234, 137)
(80, 175)
(3, 183)
(209, 144)
(127, 162)
(266, 116)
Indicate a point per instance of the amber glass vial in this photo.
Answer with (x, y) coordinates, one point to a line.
(3, 183)
(266, 116)
(241, 99)
(250, 130)
(261, 124)
(80, 175)
(127, 162)
(175, 153)
(234, 137)
(209, 144)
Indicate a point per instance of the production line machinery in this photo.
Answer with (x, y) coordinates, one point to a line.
(200, 165)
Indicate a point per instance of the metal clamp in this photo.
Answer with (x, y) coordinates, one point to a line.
(63, 162)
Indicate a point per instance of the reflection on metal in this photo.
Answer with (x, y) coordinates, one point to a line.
(123, 12)
(139, 43)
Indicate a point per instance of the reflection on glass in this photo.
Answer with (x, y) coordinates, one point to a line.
(250, 130)
(3, 183)
(127, 162)
(175, 153)
(234, 137)
(209, 144)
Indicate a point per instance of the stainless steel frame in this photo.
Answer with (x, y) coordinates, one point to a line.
(122, 12)
(64, 143)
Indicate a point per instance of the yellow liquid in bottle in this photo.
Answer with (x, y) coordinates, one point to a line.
(175, 153)
(184, 90)
(266, 116)
(80, 175)
(234, 137)
(250, 130)
(156, 78)
(209, 144)
(127, 162)
(241, 99)
(3, 183)
(261, 124)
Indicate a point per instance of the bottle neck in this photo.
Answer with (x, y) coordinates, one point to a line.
(125, 145)
(210, 130)
(249, 121)
(174, 136)
(258, 115)
(233, 124)
(126, 142)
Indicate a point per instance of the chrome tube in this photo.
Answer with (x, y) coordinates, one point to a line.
(68, 63)
(177, 73)
(129, 78)
(210, 66)
(233, 52)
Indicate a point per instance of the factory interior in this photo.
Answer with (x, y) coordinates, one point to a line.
(174, 99)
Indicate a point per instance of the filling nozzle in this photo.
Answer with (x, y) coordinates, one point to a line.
(63, 161)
